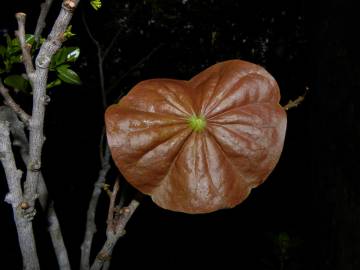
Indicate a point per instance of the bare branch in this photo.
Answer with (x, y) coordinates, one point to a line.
(15, 198)
(117, 220)
(36, 125)
(55, 233)
(111, 219)
(40, 25)
(25, 48)
(13, 175)
(100, 61)
(112, 43)
(8, 100)
(20, 140)
(91, 36)
(119, 31)
(90, 220)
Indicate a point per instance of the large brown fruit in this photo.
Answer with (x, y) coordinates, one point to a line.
(200, 145)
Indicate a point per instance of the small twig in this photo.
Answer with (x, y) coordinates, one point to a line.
(25, 48)
(134, 67)
(119, 31)
(100, 61)
(40, 25)
(90, 220)
(8, 100)
(110, 219)
(294, 103)
(117, 221)
(112, 43)
(15, 198)
(91, 36)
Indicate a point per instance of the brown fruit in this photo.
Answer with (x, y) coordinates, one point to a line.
(200, 145)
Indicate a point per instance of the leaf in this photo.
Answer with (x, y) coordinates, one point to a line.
(15, 59)
(14, 46)
(53, 83)
(96, 4)
(8, 40)
(2, 51)
(17, 82)
(73, 54)
(67, 75)
(163, 145)
(68, 34)
(30, 39)
(66, 54)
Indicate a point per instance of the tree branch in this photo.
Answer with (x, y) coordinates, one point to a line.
(15, 198)
(20, 140)
(39, 81)
(100, 61)
(25, 48)
(90, 220)
(8, 100)
(40, 25)
(117, 220)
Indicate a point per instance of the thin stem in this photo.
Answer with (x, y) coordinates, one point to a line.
(112, 43)
(8, 100)
(100, 61)
(111, 211)
(25, 48)
(90, 220)
(40, 25)
(101, 77)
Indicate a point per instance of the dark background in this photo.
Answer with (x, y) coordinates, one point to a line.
(311, 199)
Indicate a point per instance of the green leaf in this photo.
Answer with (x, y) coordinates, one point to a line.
(15, 59)
(14, 46)
(7, 65)
(17, 82)
(68, 34)
(67, 75)
(8, 40)
(30, 39)
(66, 54)
(96, 4)
(2, 51)
(53, 83)
(73, 54)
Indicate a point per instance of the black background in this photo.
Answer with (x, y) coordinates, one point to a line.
(312, 195)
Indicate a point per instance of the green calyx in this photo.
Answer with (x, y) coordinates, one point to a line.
(197, 123)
